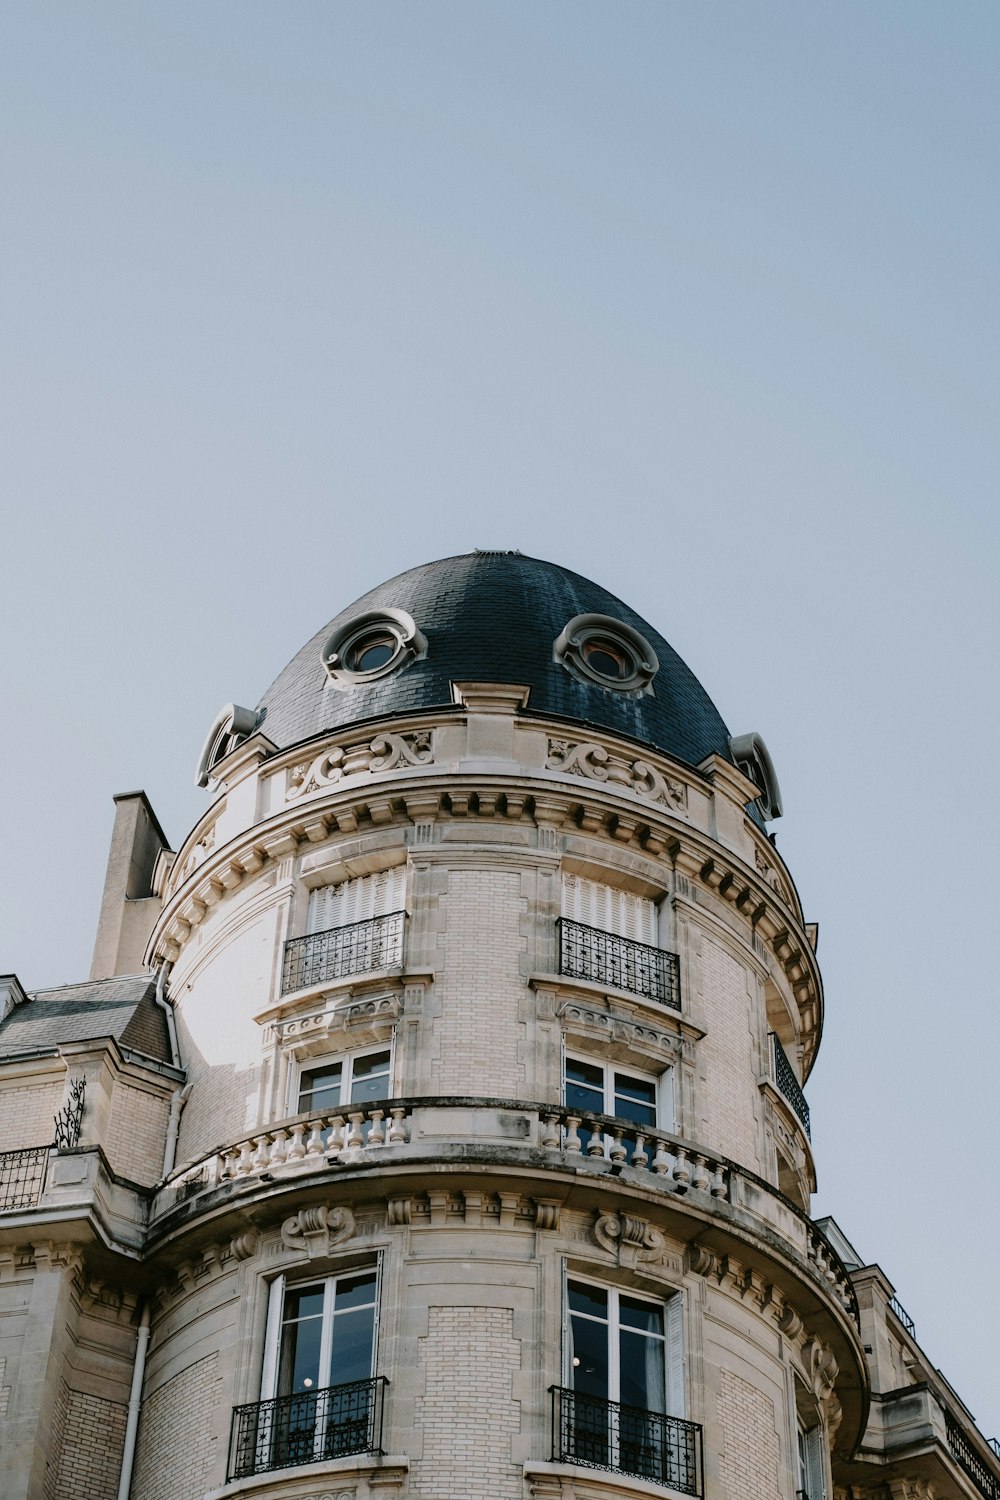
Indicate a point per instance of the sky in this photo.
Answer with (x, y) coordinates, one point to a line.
(698, 300)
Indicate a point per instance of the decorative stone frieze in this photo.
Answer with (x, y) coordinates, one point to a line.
(383, 753)
(594, 761)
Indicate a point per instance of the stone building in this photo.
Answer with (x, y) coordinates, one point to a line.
(432, 1122)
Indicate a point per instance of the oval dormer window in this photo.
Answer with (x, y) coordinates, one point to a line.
(596, 648)
(372, 646)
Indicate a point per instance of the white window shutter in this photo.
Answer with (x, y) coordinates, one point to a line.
(815, 1464)
(610, 910)
(356, 900)
(676, 1405)
(269, 1369)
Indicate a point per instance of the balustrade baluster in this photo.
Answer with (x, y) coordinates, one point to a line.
(297, 1146)
(595, 1146)
(662, 1160)
(573, 1144)
(376, 1136)
(397, 1130)
(550, 1131)
(682, 1172)
(277, 1153)
(336, 1141)
(262, 1154)
(640, 1157)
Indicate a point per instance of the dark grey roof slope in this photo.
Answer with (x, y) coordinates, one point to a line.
(123, 1008)
(493, 617)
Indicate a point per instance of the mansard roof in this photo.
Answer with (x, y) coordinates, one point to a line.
(123, 1007)
(495, 617)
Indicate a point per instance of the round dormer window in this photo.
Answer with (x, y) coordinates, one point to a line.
(595, 648)
(372, 646)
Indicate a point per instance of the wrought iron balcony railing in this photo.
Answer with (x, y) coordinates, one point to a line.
(22, 1176)
(355, 949)
(965, 1455)
(903, 1317)
(626, 1440)
(788, 1084)
(621, 963)
(332, 1422)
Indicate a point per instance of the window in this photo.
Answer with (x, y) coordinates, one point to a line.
(319, 1399)
(371, 646)
(609, 909)
(606, 1089)
(624, 1375)
(610, 937)
(598, 649)
(353, 1078)
(351, 928)
(356, 900)
(810, 1466)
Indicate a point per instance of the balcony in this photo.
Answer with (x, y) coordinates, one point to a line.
(306, 1427)
(626, 1440)
(618, 962)
(22, 1178)
(965, 1455)
(339, 952)
(788, 1084)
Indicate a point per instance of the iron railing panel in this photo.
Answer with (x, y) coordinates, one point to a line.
(331, 1422)
(788, 1084)
(22, 1177)
(338, 952)
(965, 1455)
(619, 962)
(626, 1440)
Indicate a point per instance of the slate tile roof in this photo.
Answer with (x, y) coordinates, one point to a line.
(123, 1007)
(494, 617)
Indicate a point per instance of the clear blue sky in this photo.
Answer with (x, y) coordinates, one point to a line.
(700, 300)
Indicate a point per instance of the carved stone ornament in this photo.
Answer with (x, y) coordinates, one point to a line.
(629, 1238)
(384, 753)
(316, 1230)
(594, 761)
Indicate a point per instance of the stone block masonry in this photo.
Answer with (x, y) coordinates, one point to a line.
(748, 1463)
(467, 1416)
(167, 1468)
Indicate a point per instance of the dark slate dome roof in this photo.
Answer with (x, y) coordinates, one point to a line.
(494, 617)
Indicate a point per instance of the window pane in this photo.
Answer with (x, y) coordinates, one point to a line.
(584, 1086)
(635, 1099)
(353, 1342)
(642, 1372)
(298, 1367)
(355, 1291)
(370, 1077)
(319, 1088)
(589, 1357)
(307, 1303)
(588, 1299)
(647, 1316)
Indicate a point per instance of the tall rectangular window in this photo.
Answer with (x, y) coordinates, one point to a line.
(352, 1078)
(356, 900)
(625, 1385)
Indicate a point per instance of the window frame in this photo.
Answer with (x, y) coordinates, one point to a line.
(281, 1284)
(303, 1063)
(663, 1085)
(671, 1302)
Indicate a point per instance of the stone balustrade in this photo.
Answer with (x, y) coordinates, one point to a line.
(436, 1128)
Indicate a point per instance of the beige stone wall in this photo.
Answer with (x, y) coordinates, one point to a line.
(166, 1468)
(748, 1462)
(467, 1415)
(26, 1112)
(137, 1133)
(727, 1078)
(87, 1452)
(479, 986)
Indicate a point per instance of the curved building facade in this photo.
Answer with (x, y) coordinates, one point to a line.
(432, 1124)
